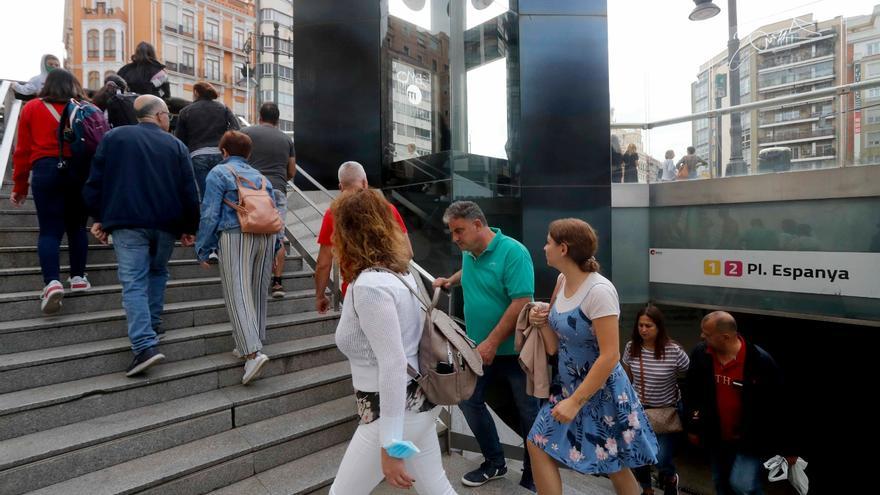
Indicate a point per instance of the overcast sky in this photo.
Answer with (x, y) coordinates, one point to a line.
(655, 51)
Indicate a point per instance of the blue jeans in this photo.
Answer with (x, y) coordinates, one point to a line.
(143, 256)
(504, 373)
(667, 444)
(734, 472)
(202, 165)
(60, 208)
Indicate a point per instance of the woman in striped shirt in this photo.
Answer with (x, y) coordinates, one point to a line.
(654, 362)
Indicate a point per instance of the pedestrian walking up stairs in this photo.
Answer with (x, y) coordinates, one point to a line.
(72, 423)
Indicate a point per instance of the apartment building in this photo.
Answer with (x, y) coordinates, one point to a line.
(196, 39)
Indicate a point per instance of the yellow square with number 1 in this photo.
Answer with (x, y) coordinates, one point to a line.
(712, 267)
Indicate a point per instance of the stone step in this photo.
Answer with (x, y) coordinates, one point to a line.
(17, 217)
(42, 367)
(26, 256)
(313, 473)
(220, 460)
(65, 329)
(52, 456)
(42, 408)
(14, 279)
(17, 305)
(18, 236)
(5, 203)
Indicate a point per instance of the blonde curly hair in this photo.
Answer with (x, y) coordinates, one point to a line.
(365, 234)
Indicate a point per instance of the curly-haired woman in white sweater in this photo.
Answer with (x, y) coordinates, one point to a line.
(379, 332)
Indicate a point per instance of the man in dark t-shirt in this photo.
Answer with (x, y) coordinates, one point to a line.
(274, 155)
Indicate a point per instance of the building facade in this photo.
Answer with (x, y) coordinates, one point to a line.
(197, 40)
(275, 36)
(797, 55)
(863, 52)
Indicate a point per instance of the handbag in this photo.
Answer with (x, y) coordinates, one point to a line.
(663, 419)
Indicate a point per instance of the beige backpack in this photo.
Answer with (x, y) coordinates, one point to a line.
(256, 209)
(448, 359)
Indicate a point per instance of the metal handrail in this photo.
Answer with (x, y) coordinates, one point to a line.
(841, 90)
(10, 122)
(334, 279)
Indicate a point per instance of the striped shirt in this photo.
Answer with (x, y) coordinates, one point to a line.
(661, 388)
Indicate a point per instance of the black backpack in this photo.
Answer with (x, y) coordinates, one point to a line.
(120, 109)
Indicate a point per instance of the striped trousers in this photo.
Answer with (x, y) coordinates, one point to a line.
(245, 271)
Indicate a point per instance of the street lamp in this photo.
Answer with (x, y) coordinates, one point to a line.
(706, 9)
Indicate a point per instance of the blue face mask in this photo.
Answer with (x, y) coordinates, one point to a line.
(401, 449)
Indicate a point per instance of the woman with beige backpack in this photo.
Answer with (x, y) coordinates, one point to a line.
(240, 221)
(654, 362)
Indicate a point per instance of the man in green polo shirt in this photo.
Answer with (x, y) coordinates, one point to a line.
(498, 279)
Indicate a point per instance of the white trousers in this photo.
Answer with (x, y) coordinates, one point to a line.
(361, 468)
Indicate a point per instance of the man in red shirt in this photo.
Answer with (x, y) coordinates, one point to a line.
(733, 399)
(351, 178)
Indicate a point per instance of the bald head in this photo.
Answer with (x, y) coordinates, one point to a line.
(720, 322)
(149, 108)
(352, 175)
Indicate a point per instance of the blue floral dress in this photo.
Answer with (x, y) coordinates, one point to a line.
(611, 431)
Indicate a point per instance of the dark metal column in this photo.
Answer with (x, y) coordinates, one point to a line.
(564, 131)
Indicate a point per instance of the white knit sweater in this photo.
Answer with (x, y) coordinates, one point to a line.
(379, 332)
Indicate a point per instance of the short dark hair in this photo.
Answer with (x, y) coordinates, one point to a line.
(61, 86)
(205, 91)
(236, 144)
(467, 210)
(691, 150)
(269, 112)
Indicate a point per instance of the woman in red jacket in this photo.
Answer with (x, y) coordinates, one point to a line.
(56, 182)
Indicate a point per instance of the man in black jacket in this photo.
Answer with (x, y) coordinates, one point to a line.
(142, 191)
(733, 403)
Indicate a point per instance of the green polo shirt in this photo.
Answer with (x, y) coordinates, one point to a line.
(502, 273)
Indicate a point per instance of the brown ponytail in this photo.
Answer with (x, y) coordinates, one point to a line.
(581, 240)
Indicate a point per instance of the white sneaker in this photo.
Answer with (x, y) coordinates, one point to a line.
(252, 367)
(50, 299)
(78, 284)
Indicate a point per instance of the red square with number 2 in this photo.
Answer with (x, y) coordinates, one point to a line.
(733, 268)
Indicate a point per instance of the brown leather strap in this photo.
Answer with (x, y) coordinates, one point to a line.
(642, 377)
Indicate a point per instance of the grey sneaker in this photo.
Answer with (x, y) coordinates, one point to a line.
(484, 474)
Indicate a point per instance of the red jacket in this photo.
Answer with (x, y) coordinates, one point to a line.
(37, 138)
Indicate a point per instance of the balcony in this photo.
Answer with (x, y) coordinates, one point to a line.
(800, 82)
(800, 119)
(787, 136)
(792, 62)
(797, 42)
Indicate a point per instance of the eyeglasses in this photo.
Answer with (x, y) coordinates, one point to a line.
(160, 113)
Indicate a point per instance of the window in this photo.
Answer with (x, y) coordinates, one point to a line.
(238, 39)
(873, 48)
(274, 15)
(169, 16)
(169, 52)
(406, 49)
(872, 116)
(871, 70)
(872, 93)
(94, 80)
(92, 43)
(267, 42)
(874, 140)
(212, 68)
(212, 30)
(110, 44)
(187, 22)
(188, 62)
(266, 70)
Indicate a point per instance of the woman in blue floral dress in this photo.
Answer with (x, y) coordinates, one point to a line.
(593, 421)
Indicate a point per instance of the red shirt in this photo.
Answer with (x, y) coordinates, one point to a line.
(728, 392)
(37, 138)
(325, 236)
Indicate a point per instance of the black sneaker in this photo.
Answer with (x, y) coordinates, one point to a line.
(670, 487)
(528, 483)
(144, 360)
(484, 474)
